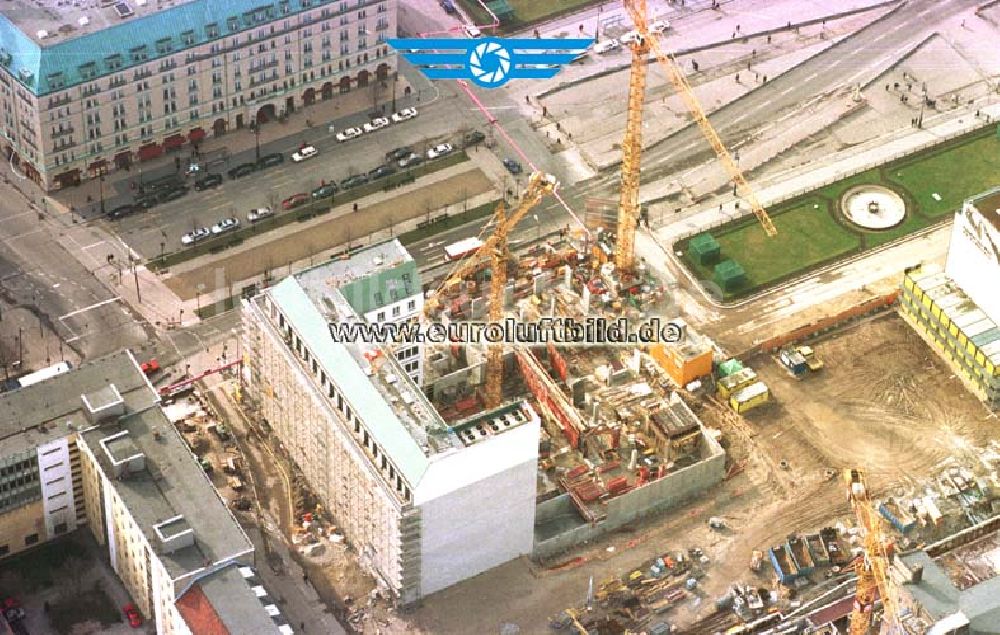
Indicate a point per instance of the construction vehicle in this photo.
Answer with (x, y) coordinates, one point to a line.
(756, 559)
(793, 361)
(872, 568)
(812, 361)
(642, 45)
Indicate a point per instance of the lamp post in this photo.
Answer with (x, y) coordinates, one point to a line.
(256, 135)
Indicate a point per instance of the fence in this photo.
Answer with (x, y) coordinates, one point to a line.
(829, 323)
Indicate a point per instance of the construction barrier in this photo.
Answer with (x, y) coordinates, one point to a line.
(829, 323)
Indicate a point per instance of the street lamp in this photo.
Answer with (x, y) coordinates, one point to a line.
(256, 135)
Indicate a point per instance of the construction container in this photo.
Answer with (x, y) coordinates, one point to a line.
(735, 382)
(756, 559)
(730, 275)
(617, 485)
(729, 367)
(684, 361)
(800, 555)
(817, 549)
(794, 362)
(781, 560)
(812, 361)
(897, 516)
(933, 513)
(705, 250)
(746, 399)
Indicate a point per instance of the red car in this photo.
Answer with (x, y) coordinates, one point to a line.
(150, 367)
(294, 201)
(133, 615)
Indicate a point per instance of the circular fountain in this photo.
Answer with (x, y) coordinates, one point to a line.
(873, 207)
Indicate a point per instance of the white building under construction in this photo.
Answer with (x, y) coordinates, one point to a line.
(426, 503)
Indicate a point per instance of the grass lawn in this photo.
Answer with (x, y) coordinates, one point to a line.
(953, 174)
(809, 233)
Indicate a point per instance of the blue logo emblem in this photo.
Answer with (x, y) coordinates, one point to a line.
(490, 62)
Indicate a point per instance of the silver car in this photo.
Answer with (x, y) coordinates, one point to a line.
(195, 236)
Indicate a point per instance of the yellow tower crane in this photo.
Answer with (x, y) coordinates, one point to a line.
(872, 568)
(495, 247)
(628, 203)
(628, 212)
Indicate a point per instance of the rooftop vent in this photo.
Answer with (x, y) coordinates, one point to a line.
(123, 454)
(83, 21)
(125, 11)
(42, 34)
(104, 404)
(173, 534)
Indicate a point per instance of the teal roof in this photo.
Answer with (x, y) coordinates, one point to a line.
(382, 288)
(364, 399)
(57, 67)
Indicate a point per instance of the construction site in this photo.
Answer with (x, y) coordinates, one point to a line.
(804, 473)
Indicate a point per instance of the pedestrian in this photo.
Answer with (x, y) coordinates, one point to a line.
(737, 78)
(527, 99)
(756, 76)
(748, 65)
(768, 38)
(737, 28)
(963, 24)
(765, 79)
(753, 53)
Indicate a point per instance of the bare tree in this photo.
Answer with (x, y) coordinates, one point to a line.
(70, 576)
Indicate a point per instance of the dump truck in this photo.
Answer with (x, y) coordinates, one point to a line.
(756, 558)
(783, 565)
(817, 549)
(800, 555)
(897, 515)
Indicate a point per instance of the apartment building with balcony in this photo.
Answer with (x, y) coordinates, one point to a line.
(97, 87)
(426, 503)
(92, 448)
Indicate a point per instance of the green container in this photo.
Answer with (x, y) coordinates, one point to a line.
(705, 249)
(729, 275)
(729, 367)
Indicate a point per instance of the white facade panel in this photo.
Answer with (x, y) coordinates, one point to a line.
(481, 512)
(974, 260)
(56, 476)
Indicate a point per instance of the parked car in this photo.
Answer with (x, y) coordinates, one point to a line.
(472, 30)
(411, 160)
(173, 194)
(399, 153)
(449, 7)
(630, 37)
(404, 114)
(439, 150)
(473, 137)
(123, 210)
(295, 200)
(192, 169)
(150, 367)
(514, 167)
(606, 46)
(325, 191)
(242, 170)
(353, 181)
(271, 160)
(207, 181)
(303, 153)
(376, 124)
(659, 26)
(206, 465)
(259, 213)
(197, 235)
(133, 615)
(382, 170)
(225, 225)
(349, 133)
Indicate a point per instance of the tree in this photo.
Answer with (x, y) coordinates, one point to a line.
(70, 576)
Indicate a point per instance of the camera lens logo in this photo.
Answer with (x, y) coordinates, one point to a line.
(489, 64)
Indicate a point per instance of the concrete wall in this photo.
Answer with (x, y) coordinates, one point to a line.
(486, 522)
(653, 497)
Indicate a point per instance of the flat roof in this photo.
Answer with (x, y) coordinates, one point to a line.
(988, 205)
(237, 606)
(171, 484)
(64, 20)
(41, 413)
(369, 279)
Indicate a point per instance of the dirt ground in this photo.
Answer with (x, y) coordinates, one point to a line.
(885, 402)
(340, 227)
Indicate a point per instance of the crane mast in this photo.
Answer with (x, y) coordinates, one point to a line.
(637, 11)
(872, 568)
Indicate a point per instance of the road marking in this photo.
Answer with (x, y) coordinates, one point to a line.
(92, 245)
(811, 77)
(96, 305)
